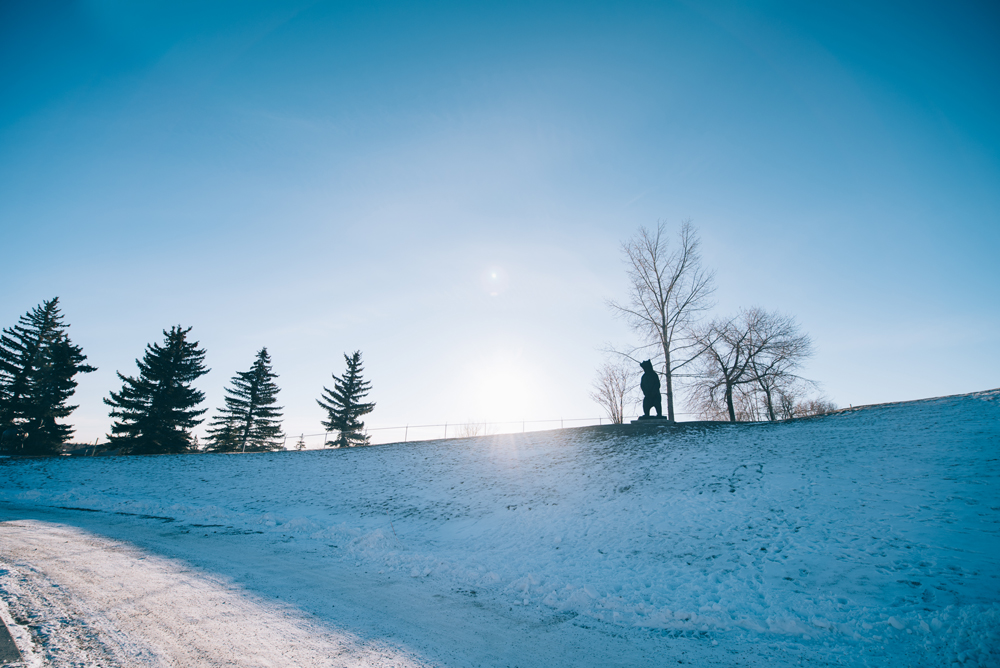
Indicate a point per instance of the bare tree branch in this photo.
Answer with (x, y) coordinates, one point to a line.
(614, 389)
(668, 293)
(747, 366)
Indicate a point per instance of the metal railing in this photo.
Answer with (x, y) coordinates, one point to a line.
(429, 432)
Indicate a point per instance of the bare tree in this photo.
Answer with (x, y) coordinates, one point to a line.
(668, 293)
(723, 362)
(472, 428)
(821, 406)
(713, 406)
(775, 363)
(748, 365)
(746, 400)
(614, 389)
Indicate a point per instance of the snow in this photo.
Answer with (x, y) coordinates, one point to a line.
(869, 537)
(179, 613)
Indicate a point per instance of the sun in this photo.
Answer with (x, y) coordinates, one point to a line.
(494, 281)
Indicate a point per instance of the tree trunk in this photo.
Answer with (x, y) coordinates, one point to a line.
(670, 382)
(729, 403)
(246, 429)
(770, 406)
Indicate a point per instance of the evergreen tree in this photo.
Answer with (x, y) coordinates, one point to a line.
(156, 411)
(343, 404)
(38, 364)
(249, 420)
(222, 434)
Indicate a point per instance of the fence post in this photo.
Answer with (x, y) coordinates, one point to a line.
(522, 427)
(446, 430)
(406, 433)
(326, 437)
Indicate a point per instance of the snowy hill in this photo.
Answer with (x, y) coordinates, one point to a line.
(868, 537)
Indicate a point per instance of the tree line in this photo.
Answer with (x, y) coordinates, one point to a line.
(742, 367)
(155, 411)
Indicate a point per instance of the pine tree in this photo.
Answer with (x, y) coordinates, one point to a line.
(156, 411)
(38, 364)
(222, 434)
(249, 420)
(344, 406)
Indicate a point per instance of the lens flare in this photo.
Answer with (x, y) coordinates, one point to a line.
(494, 281)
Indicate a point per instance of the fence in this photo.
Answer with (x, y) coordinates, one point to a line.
(430, 432)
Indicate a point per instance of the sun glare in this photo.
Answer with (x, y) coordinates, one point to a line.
(494, 281)
(502, 388)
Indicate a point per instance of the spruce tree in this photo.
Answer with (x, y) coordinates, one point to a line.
(38, 364)
(249, 420)
(157, 410)
(343, 404)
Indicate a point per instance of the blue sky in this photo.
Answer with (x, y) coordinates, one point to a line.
(330, 176)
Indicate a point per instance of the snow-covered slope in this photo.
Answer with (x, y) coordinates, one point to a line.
(870, 536)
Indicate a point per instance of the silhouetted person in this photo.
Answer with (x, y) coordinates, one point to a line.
(650, 386)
